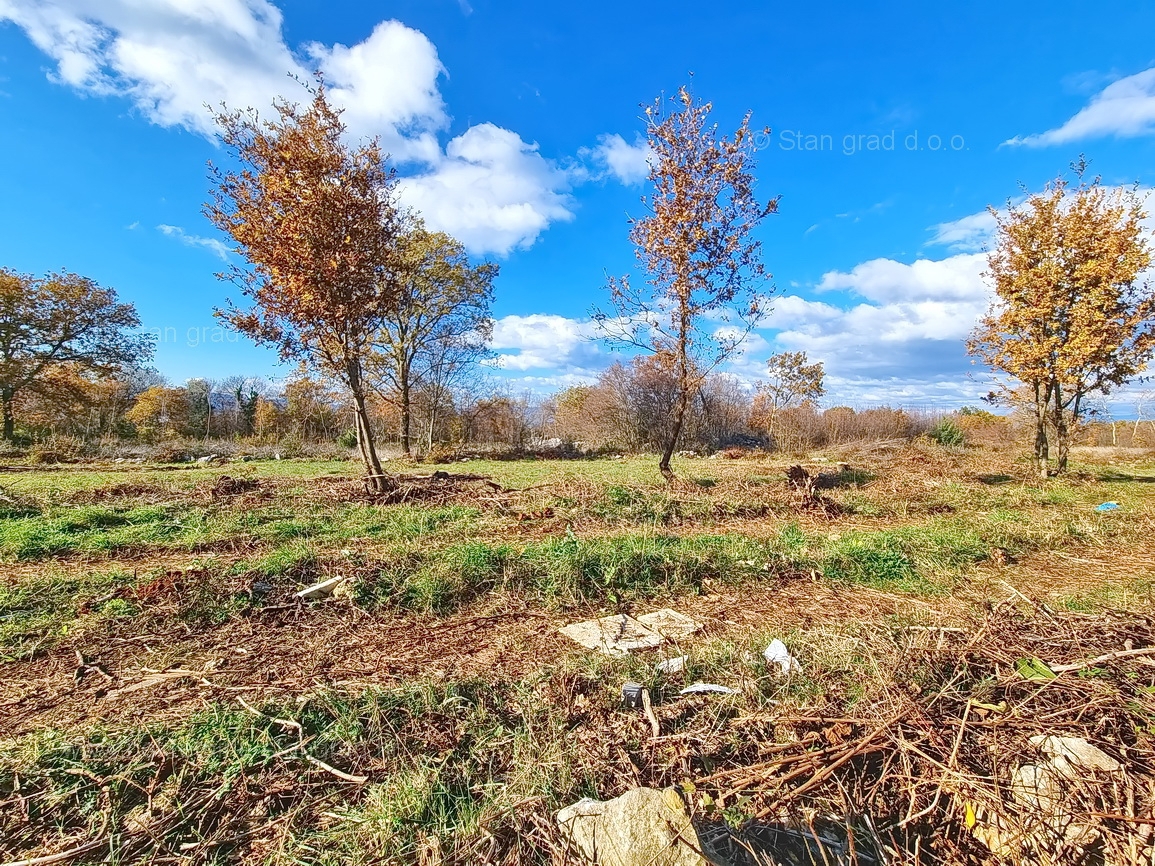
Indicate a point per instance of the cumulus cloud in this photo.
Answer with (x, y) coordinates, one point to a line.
(491, 190)
(954, 279)
(892, 332)
(171, 57)
(216, 247)
(546, 342)
(616, 157)
(1124, 108)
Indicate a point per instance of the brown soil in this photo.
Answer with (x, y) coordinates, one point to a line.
(274, 653)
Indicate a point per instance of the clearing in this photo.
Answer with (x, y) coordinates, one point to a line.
(166, 697)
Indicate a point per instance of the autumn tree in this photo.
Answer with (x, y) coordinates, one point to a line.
(703, 269)
(1072, 316)
(62, 321)
(790, 381)
(439, 322)
(161, 412)
(317, 224)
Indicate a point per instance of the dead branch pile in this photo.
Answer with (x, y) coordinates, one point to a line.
(1030, 740)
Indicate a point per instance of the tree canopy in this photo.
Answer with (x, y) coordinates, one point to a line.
(705, 284)
(317, 223)
(440, 319)
(1071, 316)
(61, 323)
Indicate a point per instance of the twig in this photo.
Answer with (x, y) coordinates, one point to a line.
(300, 746)
(317, 762)
(1121, 654)
(1132, 818)
(648, 709)
(59, 857)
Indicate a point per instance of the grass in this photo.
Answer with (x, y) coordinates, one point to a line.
(446, 758)
(456, 762)
(103, 530)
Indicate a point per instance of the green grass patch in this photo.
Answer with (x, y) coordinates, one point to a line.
(39, 612)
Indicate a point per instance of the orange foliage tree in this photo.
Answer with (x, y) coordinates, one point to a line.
(1071, 316)
(703, 268)
(317, 224)
(59, 332)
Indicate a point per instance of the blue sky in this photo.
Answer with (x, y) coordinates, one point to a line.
(515, 127)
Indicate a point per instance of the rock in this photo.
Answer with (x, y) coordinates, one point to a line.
(206, 459)
(669, 623)
(613, 635)
(1037, 787)
(322, 589)
(1070, 754)
(642, 827)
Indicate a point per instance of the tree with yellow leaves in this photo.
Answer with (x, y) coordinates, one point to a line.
(1072, 316)
(705, 286)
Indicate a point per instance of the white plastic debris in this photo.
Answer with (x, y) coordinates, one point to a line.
(672, 666)
(322, 589)
(699, 688)
(777, 654)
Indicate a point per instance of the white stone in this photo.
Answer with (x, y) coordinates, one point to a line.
(1069, 753)
(669, 623)
(643, 827)
(613, 635)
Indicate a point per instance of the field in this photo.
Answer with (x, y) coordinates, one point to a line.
(165, 697)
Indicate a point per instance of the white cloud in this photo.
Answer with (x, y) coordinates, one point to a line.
(1124, 108)
(968, 234)
(171, 58)
(954, 279)
(896, 333)
(491, 190)
(216, 247)
(546, 342)
(629, 163)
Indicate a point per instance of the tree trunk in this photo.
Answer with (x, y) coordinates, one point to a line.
(9, 416)
(406, 414)
(675, 434)
(375, 479)
(1062, 431)
(1042, 447)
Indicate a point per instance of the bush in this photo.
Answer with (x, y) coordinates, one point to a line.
(947, 432)
(348, 439)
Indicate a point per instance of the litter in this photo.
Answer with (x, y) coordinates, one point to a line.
(1107, 506)
(632, 694)
(777, 654)
(672, 666)
(613, 635)
(699, 688)
(322, 589)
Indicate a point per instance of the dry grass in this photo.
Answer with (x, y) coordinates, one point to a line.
(155, 710)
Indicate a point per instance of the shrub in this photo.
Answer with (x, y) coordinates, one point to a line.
(947, 432)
